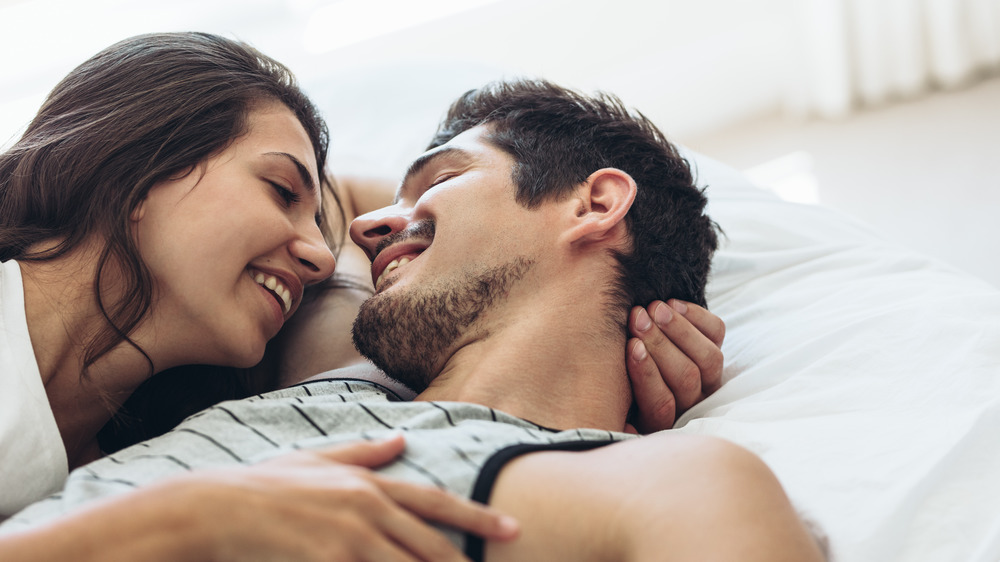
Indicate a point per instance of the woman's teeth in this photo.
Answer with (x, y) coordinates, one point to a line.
(389, 269)
(271, 282)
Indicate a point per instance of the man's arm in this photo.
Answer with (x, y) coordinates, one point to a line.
(663, 497)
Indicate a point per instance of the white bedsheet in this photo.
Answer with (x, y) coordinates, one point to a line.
(866, 376)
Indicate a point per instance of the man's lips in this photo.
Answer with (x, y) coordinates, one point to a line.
(395, 253)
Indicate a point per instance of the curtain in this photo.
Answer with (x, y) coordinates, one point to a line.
(857, 53)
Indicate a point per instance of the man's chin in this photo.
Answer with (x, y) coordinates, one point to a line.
(387, 331)
(409, 331)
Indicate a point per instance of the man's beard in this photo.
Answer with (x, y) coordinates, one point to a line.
(408, 334)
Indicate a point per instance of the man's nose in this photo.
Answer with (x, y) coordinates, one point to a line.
(371, 228)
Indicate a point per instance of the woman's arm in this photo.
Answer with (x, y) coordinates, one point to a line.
(360, 195)
(308, 505)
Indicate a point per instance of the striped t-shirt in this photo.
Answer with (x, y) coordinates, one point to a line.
(453, 445)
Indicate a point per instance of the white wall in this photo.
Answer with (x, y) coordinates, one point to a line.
(691, 65)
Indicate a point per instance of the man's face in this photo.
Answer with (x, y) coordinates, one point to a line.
(452, 248)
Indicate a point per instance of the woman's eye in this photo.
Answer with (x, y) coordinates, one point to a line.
(289, 196)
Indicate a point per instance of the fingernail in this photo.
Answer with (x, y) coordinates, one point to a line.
(639, 351)
(679, 306)
(642, 321)
(509, 525)
(662, 314)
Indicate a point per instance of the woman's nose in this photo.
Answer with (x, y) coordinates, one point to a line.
(315, 257)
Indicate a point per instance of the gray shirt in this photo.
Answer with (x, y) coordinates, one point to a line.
(452, 445)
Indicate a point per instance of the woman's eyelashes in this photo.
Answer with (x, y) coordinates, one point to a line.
(289, 196)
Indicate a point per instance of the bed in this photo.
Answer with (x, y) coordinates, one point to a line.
(866, 375)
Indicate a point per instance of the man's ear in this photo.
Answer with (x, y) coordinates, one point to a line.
(601, 203)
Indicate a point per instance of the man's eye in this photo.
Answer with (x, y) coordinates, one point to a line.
(441, 179)
(289, 196)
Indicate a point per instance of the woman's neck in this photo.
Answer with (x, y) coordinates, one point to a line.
(63, 317)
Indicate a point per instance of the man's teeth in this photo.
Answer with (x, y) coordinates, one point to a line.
(271, 282)
(389, 269)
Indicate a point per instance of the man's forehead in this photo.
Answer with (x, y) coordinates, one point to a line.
(476, 136)
(468, 146)
(470, 143)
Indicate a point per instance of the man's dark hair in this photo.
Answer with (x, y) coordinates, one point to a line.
(558, 137)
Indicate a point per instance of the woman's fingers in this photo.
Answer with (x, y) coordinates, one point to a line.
(667, 381)
(674, 361)
(698, 334)
(398, 509)
(437, 505)
(425, 501)
(369, 454)
(415, 536)
(403, 535)
(710, 325)
(329, 501)
(655, 403)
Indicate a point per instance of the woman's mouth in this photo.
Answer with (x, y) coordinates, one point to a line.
(276, 288)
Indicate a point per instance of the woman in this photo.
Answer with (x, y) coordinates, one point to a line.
(119, 185)
(164, 208)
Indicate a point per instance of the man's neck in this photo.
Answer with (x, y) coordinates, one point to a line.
(559, 365)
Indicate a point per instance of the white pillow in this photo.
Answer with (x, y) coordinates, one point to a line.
(867, 376)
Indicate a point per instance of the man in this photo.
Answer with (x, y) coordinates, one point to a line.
(504, 275)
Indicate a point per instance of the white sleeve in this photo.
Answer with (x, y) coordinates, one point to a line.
(33, 462)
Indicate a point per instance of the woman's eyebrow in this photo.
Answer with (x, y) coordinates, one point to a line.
(304, 174)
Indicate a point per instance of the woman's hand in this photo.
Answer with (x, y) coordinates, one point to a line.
(674, 360)
(327, 505)
(323, 504)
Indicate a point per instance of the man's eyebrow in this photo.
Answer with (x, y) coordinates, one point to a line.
(304, 174)
(427, 159)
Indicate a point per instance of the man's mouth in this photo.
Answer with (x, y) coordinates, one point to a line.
(276, 288)
(400, 248)
(392, 266)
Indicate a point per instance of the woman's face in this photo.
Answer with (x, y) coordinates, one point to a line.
(231, 245)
